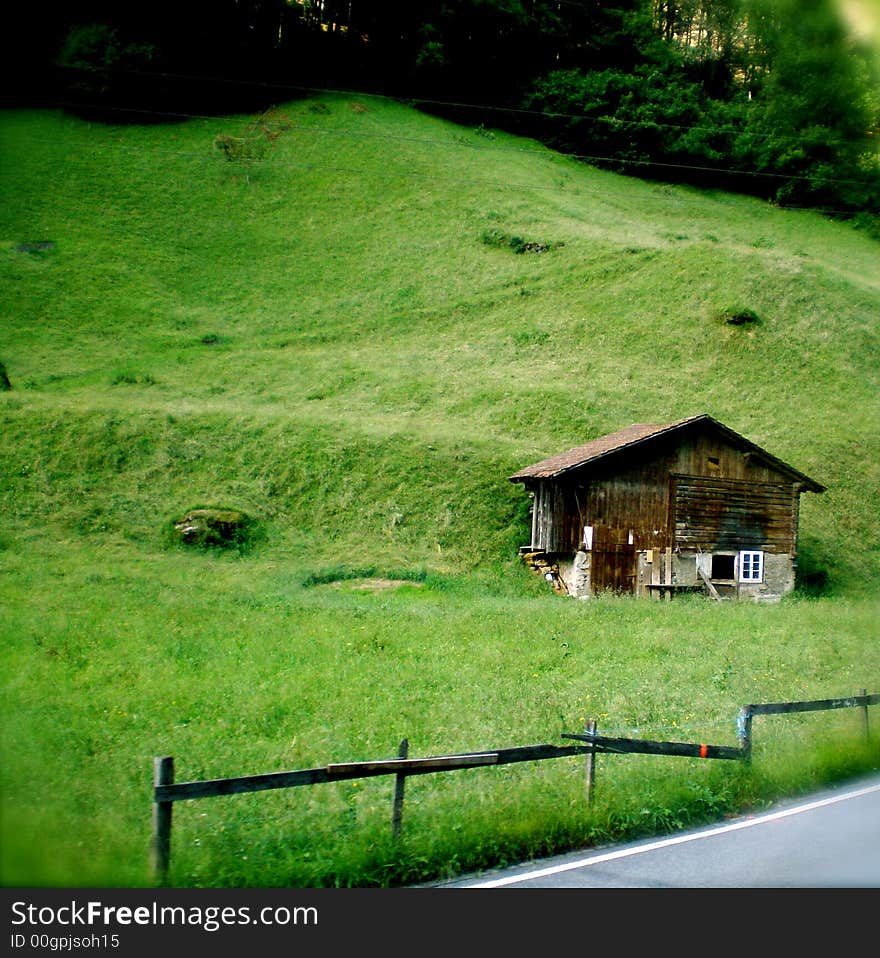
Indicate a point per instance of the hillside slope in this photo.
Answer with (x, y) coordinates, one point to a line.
(356, 339)
(342, 338)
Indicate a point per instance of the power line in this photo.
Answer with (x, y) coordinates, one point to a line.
(579, 156)
(414, 173)
(450, 104)
(591, 158)
(584, 157)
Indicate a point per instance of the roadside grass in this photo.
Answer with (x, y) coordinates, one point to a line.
(325, 341)
(235, 667)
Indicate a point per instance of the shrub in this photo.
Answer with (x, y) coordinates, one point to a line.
(127, 378)
(501, 240)
(101, 72)
(241, 148)
(210, 527)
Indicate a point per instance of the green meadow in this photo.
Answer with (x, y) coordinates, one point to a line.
(355, 334)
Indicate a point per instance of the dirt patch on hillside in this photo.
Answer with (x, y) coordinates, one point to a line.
(373, 585)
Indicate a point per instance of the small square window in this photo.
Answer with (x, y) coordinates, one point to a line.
(722, 566)
(751, 566)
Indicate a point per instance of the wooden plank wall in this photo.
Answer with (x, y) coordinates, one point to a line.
(721, 498)
(733, 514)
(630, 503)
(556, 519)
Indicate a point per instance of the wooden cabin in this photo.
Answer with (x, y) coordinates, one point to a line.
(655, 509)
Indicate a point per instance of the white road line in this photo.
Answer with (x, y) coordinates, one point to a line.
(667, 842)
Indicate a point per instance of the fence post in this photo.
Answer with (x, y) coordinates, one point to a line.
(160, 848)
(399, 782)
(865, 716)
(744, 732)
(590, 764)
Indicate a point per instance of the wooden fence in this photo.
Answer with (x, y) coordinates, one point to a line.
(166, 791)
(747, 712)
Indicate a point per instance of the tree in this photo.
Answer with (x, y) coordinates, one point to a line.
(814, 120)
(102, 72)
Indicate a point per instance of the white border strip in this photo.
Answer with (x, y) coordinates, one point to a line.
(667, 842)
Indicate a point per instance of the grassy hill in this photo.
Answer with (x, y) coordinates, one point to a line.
(355, 339)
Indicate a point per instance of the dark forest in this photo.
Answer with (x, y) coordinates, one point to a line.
(769, 97)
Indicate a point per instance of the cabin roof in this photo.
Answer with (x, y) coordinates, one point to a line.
(641, 434)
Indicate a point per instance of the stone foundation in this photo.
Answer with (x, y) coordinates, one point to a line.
(660, 574)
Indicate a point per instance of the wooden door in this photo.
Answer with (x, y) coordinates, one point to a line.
(613, 568)
(613, 564)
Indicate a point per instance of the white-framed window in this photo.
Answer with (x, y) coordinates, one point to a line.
(751, 567)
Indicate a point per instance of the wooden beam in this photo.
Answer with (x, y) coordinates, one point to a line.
(213, 788)
(712, 590)
(399, 783)
(783, 708)
(410, 766)
(644, 747)
(862, 694)
(160, 847)
(744, 732)
(590, 763)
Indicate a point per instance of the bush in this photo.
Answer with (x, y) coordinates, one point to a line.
(241, 148)
(501, 240)
(210, 527)
(100, 71)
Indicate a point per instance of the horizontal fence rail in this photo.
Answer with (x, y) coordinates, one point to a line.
(166, 791)
(748, 712)
(602, 743)
(348, 770)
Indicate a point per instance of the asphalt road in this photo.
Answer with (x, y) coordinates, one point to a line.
(827, 840)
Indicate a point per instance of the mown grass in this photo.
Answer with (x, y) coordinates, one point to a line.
(324, 340)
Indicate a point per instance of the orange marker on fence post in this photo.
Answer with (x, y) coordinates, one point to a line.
(704, 750)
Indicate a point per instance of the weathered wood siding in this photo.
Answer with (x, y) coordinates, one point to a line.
(554, 519)
(695, 456)
(689, 492)
(631, 508)
(721, 514)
